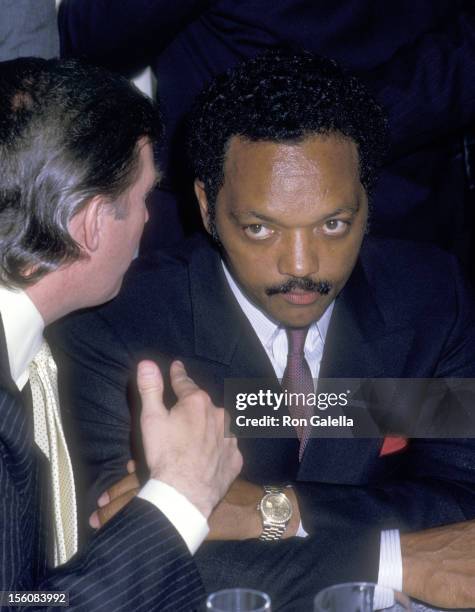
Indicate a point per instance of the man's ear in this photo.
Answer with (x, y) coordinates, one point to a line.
(203, 202)
(86, 226)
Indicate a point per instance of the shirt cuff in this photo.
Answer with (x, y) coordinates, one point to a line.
(390, 567)
(182, 514)
(301, 533)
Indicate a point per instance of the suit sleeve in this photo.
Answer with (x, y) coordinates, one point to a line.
(138, 560)
(292, 571)
(437, 487)
(122, 36)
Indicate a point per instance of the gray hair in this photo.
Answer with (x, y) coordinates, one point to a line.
(68, 132)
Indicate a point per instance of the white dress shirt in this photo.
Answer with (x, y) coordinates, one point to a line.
(273, 338)
(23, 327)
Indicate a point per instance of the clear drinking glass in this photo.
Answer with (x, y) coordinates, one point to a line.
(360, 597)
(239, 600)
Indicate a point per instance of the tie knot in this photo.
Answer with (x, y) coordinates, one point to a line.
(296, 337)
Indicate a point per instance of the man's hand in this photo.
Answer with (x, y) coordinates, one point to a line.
(185, 447)
(115, 498)
(236, 517)
(439, 565)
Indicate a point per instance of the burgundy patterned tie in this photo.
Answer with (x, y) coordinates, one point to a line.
(298, 379)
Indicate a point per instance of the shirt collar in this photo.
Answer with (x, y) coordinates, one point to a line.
(23, 326)
(264, 327)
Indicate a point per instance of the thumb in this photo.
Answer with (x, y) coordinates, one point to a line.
(150, 386)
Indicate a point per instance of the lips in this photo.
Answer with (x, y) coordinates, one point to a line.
(301, 298)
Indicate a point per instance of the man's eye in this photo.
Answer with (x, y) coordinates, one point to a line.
(257, 231)
(336, 227)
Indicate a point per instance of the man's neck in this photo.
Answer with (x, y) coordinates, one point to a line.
(53, 295)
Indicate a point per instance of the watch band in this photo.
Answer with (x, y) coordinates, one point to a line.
(271, 533)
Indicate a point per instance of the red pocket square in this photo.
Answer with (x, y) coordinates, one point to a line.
(393, 444)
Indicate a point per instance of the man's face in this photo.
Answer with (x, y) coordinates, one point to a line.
(291, 219)
(123, 227)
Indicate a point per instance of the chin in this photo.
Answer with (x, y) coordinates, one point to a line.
(298, 316)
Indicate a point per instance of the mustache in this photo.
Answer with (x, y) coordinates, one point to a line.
(322, 287)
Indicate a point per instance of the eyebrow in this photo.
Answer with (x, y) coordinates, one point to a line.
(352, 209)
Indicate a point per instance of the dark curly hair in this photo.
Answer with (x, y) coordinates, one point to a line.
(282, 96)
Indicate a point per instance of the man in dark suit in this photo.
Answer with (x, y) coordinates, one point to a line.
(285, 150)
(77, 164)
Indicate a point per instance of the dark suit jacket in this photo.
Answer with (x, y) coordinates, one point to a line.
(137, 561)
(405, 312)
(417, 58)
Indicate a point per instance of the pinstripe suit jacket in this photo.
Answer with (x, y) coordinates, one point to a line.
(136, 562)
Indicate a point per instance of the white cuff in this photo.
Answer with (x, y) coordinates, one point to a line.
(182, 514)
(301, 533)
(390, 567)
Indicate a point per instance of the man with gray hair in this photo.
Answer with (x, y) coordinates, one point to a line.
(76, 151)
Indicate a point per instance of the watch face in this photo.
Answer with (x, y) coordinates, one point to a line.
(276, 508)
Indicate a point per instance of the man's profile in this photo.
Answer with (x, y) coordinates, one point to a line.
(76, 152)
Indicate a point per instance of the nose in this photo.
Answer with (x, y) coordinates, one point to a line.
(299, 257)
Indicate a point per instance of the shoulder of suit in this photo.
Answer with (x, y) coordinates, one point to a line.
(158, 264)
(154, 291)
(412, 278)
(403, 258)
(157, 284)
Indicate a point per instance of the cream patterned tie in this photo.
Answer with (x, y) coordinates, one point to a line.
(49, 436)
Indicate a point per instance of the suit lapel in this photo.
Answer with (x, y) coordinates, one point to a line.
(360, 344)
(223, 334)
(6, 380)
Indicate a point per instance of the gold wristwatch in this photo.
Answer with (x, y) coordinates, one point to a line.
(276, 511)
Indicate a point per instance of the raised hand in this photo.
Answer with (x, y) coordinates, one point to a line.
(185, 446)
